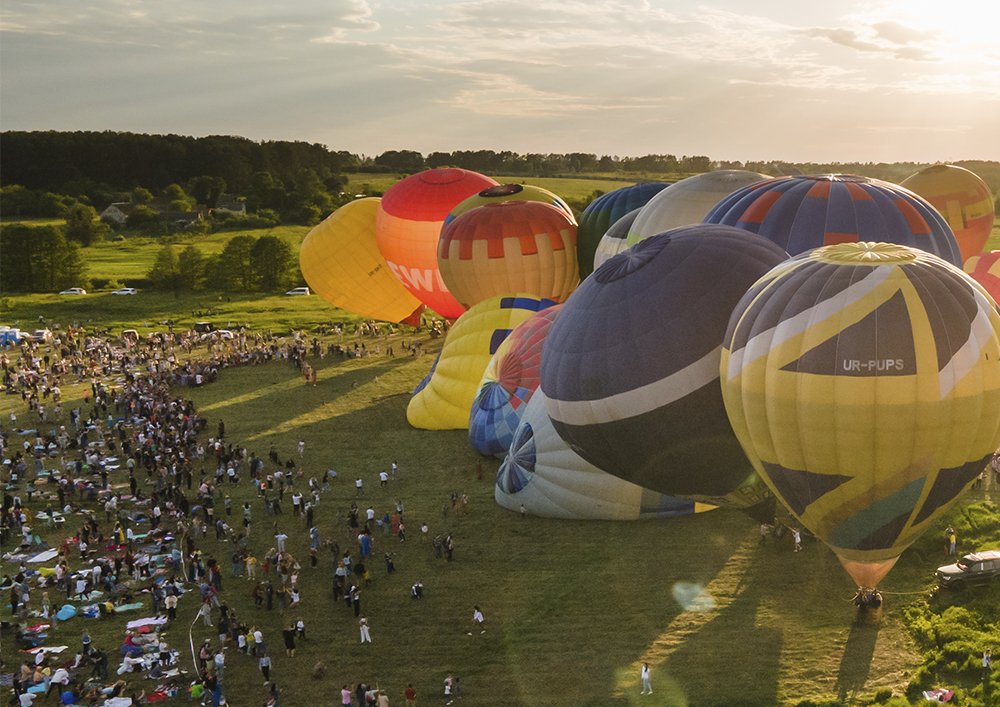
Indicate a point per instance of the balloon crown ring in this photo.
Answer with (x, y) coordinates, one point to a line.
(866, 253)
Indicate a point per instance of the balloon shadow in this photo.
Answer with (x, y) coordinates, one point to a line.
(855, 664)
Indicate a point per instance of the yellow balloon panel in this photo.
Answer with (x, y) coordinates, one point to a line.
(341, 262)
(962, 198)
(444, 399)
(863, 382)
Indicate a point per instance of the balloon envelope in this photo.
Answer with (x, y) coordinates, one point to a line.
(802, 213)
(688, 201)
(546, 477)
(341, 262)
(630, 367)
(985, 269)
(511, 246)
(615, 240)
(962, 198)
(863, 381)
(509, 192)
(408, 225)
(443, 400)
(510, 380)
(604, 211)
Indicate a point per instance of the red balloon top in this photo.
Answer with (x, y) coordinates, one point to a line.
(430, 195)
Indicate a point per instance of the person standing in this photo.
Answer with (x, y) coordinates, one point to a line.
(345, 696)
(951, 541)
(265, 667)
(366, 636)
(288, 633)
(647, 687)
(797, 539)
(410, 695)
(478, 621)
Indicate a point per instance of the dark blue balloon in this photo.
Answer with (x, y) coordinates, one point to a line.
(604, 211)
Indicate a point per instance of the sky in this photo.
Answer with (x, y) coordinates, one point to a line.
(795, 80)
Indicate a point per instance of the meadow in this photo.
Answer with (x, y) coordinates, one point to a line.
(572, 608)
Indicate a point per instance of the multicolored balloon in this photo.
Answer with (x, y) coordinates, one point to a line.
(510, 246)
(341, 262)
(408, 226)
(615, 240)
(863, 381)
(802, 213)
(688, 201)
(443, 400)
(546, 478)
(985, 269)
(604, 211)
(630, 367)
(508, 383)
(510, 192)
(962, 198)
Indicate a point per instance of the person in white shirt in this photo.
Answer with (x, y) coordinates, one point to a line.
(647, 688)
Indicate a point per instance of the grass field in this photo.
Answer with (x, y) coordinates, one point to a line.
(572, 608)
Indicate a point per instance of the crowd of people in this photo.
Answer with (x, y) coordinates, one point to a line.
(136, 484)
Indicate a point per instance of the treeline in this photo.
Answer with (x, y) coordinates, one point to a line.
(85, 163)
(71, 162)
(246, 264)
(39, 259)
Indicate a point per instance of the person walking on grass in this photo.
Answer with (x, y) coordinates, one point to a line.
(478, 621)
(647, 687)
(366, 636)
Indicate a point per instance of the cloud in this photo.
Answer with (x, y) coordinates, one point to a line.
(873, 40)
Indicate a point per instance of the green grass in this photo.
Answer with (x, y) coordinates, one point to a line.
(572, 608)
(570, 189)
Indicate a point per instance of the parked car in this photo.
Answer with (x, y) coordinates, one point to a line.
(41, 336)
(974, 569)
(74, 291)
(203, 327)
(298, 291)
(126, 291)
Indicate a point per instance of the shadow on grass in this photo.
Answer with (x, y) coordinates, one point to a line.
(732, 660)
(855, 664)
(290, 393)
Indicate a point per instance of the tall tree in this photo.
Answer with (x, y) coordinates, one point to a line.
(272, 260)
(165, 273)
(83, 226)
(191, 268)
(234, 268)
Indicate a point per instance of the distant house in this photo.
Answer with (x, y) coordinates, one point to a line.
(231, 204)
(117, 213)
(180, 220)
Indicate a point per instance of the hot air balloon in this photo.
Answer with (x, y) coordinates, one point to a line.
(985, 269)
(443, 400)
(863, 381)
(510, 246)
(688, 201)
(629, 368)
(550, 480)
(962, 198)
(508, 383)
(509, 192)
(802, 213)
(616, 239)
(408, 225)
(342, 264)
(603, 211)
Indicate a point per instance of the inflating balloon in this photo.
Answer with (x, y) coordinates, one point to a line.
(444, 398)
(510, 192)
(688, 201)
(511, 246)
(962, 198)
(630, 367)
(802, 213)
(508, 383)
(408, 226)
(985, 269)
(615, 240)
(546, 477)
(863, 381)
(604, 211)
(341, 262)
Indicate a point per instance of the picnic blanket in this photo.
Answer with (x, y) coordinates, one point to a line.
(44, 556)
(128, 607)
(149, 621)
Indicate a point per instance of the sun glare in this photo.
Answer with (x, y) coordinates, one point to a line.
(961, 30)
